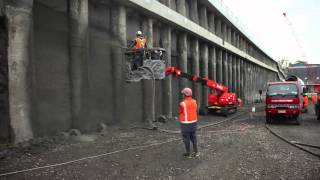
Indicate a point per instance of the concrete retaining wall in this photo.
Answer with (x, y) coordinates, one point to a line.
(77, 66)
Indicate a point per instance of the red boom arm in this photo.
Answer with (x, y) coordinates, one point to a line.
(205, 81)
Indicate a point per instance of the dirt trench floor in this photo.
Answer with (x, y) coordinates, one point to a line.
(240, 148)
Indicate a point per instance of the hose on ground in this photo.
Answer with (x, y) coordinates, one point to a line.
(292, 143)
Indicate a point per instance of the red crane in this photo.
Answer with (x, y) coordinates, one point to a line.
(220, 99)
(310, 70)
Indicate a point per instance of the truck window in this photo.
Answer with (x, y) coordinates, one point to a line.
(282, 90)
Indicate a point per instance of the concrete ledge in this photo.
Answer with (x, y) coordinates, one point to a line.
(158, 9)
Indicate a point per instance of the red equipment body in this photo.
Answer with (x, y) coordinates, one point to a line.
(219, 97)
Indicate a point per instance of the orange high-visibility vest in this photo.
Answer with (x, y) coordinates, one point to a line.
(305, 100)
(314, 99)
(140, 43)
(188, 111)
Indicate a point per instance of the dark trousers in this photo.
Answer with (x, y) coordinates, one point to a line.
(187, 137)
(137, 60)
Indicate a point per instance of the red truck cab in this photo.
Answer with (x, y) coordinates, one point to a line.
(285, 100)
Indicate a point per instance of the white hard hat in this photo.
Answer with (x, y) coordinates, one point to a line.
(139, 33)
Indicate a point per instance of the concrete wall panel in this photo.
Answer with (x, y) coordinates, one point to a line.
(100, 69)
(52, 73)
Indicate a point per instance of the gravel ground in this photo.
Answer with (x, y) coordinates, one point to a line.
(238, 149)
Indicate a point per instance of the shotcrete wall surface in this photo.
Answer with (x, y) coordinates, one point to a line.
(4, 94)
(51, 61)
(104, 88)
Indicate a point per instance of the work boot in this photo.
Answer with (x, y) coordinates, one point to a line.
(196, 154)
(186, 155)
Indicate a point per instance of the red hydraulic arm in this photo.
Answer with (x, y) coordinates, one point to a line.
(204, 81)
(220, 100)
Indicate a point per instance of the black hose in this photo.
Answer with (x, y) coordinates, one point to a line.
(307, 145)
(292, 144)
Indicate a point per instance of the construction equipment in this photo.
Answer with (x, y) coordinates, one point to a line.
(153, 64)
(219, 100)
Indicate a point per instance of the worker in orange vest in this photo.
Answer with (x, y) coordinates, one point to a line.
(314, 98)
(305, 103)
(188, 122)
(305, 100)
(138, 44)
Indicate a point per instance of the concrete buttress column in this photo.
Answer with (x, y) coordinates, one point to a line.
(211, 23)
(212, 64)
(181, 7)
(167, 86)
(234, 38)
(225, 68)
(254, 89)
(194, 11)
(196, 68)
(204, 73)
(203, 17)
(252, 82)
(148, 100)
(182, 61)
(248, 84)
(78, 44)
(238, 66)
(238, 41)
(119, 31)
(242, 84)
(250, 87)
(218, 27)
(242, 44)
(230, 82)
(246, 81)
(19, 19)
(219, 65)
(231, 37)
(234, 74)
(255, 82)
(224, 32)
(229, 34)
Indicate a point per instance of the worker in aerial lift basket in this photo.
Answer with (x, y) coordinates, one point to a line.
(188, 122)
(139, 43)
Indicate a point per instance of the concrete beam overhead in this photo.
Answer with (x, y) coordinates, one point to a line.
(176, 19)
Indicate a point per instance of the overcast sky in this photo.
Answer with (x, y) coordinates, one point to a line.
(265, 22)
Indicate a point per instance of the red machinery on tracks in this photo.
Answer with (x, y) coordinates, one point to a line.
(219, 100)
